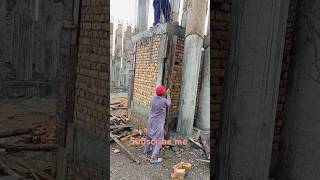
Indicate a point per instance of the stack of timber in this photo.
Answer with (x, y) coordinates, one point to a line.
(12, 145)
(44, 132)
(18, 168)
(118, 103)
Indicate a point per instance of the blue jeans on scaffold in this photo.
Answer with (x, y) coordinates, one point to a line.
(161, 6)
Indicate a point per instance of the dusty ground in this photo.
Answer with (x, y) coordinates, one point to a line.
(18, 113)
(123, 168)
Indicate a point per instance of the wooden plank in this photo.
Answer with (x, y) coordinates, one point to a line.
(203, 160)
(38, 172)
(124, 148)
(7, 169)
(133, 134)
(28, 147)
(14, 132)
(196, 143)
(120, 126)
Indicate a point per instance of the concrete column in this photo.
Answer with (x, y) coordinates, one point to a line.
(251, 89)
(300, 147)
(118, 42)
(191, 65)
(143, 12)
(175, 6)
(111, 39)
(118, 73)
(36, 10)
(184, 13)
(203, 120)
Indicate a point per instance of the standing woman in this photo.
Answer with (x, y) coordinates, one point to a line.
(157, 118)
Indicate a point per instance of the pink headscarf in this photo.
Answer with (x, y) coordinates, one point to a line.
(160, 90)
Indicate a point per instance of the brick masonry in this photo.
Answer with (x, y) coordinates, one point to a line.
(221, 44)
(91, 96)
(29, 48)
(146, 74)
(146, 70)
(177, 74)
(221, 21)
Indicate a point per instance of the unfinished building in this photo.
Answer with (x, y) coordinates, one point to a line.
(121, 61)
(29, 47)
(161, 50)
(158, 60)
(264, 74)
(82, 109)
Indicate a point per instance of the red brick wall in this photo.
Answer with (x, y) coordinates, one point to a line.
(84, 91)
(284, 73)
(91, 102)
(177, 74)
(146, 70)
(221, 44)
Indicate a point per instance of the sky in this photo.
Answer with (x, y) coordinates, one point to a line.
(125, 11)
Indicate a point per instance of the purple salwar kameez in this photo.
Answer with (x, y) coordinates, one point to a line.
(156, 123)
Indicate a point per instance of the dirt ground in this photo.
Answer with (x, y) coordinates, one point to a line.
(123, 168)
(26, 113)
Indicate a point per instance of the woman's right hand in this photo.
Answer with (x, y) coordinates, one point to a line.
(168, 91)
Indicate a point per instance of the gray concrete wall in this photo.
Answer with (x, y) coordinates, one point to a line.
(30, 46)
(88, 162)
(300, 155)
(251, 89)
(142, 110)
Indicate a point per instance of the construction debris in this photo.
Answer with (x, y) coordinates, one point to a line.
(124, 148)
(20, 169)
(119, 126)
(35, 171)
(15, 145)
(179, 170)
(132, 133)
(203, 160)
(28, 147)
(118, 103)
(44, 132)
(14, 132)
(4, 167)
(196, 143)
(204, 138)
(116, 151)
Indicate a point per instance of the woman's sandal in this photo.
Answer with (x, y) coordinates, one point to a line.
(159, 160)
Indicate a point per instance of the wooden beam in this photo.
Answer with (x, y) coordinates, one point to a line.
(124, 148)
(28, 147)
(14, 132)
(32, 169)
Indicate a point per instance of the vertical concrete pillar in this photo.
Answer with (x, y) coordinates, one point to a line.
(191, 65)
(36, 10)
(143, 12)
(175, 6)
(111, 56)
(251, 89)
(203, 120)
(111, 39)
(118, 42)
(300, 147)
(184, 13)
(117, 73)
